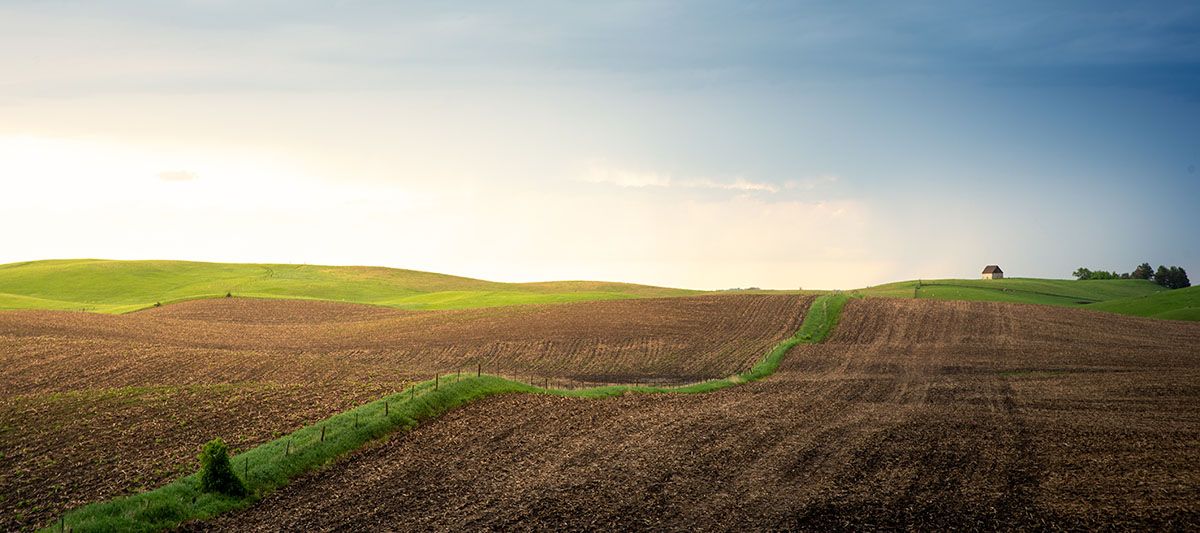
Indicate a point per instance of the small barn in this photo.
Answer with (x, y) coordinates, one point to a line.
(992, 272)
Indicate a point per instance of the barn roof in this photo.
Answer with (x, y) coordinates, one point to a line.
(992, 269)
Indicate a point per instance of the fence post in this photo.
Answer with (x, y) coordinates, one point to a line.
(385, 408)
(478, 369)
(322, 433)
(436, 378)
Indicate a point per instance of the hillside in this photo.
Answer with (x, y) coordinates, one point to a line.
(109, 286)
(1062, 292)
(1179, 304)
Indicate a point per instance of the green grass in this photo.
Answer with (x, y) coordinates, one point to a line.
(1125, 296)
(1178, 304)
(272, 465)
(121, 286)
(1062, 292)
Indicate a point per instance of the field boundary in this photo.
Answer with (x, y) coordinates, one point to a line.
(274, 464)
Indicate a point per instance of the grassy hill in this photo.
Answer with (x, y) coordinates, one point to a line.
(1064, 292)
(121, 286)
(1124, 296)
(1179, 304)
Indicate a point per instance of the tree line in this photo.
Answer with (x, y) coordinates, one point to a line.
(1170, 277)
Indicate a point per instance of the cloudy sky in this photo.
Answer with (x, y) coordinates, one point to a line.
(694, 144)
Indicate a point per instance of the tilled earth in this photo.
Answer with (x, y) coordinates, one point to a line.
(93, 406)
(917, 414)
(289, 341)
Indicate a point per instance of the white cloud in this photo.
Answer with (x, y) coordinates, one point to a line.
(625, 178)
(738, 184)
(619, 177)
(808, 184)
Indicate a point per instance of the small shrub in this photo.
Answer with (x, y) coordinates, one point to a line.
(157, 304)
(229, 294)
(216, 473)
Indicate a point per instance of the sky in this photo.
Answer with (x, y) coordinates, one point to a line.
(691, 144)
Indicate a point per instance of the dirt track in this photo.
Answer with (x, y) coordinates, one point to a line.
(918, 414)
(92, 406)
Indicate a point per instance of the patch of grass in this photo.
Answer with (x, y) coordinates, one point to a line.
(272, 465)
(1178, 304)
(122, 286)
(1060, 292)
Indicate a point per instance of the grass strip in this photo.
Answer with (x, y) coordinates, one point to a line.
(273, 464)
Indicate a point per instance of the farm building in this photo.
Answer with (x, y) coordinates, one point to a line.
(992, 272)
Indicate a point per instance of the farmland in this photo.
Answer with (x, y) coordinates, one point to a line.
(931, 412)
(1179, 304)
(1063, 292)
(109, 286)
(115, 287)
(916, 414)
(148, 387)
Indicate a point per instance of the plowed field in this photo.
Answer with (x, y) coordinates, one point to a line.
(92, 406)
(916, 414)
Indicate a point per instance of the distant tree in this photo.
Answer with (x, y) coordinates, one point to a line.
(1162, 276)
(1086, 273)
(1125, 276)
(1177, 278)
(1143, 271)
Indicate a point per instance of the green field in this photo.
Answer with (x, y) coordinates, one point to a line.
(1124, 296)
(1179, 304)
(107, 286)
(1062, 292)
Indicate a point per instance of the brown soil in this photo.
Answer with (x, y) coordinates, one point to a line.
(92, 406)
(265, 311)
(228, 340)
(67, 449)
(920, 414)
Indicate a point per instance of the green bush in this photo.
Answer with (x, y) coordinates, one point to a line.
(216, 473)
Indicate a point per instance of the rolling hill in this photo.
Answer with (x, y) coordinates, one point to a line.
(1179, 304)
(1123, 296)
(1062, 292)
(110, 286)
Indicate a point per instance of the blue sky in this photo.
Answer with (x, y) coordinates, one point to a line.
(699, 144)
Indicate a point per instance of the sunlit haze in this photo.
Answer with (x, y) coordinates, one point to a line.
(699, 145)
